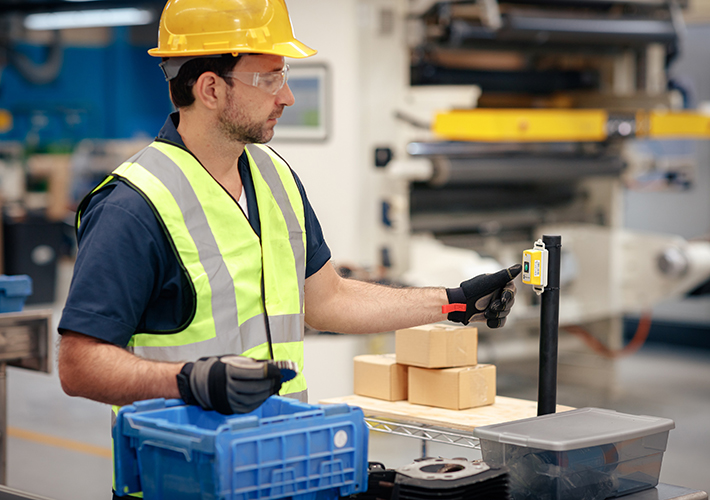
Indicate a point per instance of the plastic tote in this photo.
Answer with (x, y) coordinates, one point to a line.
(585, 454)
(14, 290)
(285, 448)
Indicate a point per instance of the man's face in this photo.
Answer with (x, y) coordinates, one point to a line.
(251, 113)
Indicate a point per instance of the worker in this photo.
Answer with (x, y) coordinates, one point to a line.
(201, 257)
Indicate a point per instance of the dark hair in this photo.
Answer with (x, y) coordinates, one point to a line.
(181, 85)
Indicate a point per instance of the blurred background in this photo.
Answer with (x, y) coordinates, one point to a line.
(436, 141)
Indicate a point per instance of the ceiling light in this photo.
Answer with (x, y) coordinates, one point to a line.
(88, 19)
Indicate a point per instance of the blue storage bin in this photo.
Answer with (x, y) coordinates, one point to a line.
(14, 290)
(284, 448)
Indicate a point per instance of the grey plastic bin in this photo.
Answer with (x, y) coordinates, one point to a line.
(583, 454)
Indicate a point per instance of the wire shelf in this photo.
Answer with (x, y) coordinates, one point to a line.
(424, 432)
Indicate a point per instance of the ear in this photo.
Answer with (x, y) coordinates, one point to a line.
(209, 89)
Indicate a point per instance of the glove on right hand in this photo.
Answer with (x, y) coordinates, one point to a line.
(487, 297)
(228, 384)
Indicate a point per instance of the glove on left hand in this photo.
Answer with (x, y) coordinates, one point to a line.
(487, 297)
(229, 384)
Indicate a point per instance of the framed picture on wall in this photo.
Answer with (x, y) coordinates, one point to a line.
(307, 118)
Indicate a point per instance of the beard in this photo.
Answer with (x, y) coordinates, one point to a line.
(236, 126)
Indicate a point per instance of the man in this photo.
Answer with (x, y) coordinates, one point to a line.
(204, 246)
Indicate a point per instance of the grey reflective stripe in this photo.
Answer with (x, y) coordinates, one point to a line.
(133, 158)
(271, 176)
(285, 328)
(224, 299)
(302, 396)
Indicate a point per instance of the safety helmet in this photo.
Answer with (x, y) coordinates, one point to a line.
(194, 28)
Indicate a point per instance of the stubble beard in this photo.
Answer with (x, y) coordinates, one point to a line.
(236, 126)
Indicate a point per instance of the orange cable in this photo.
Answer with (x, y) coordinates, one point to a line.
(639, 338)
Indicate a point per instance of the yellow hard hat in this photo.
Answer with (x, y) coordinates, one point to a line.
(193, 28)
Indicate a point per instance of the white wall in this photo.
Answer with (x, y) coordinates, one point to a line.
(333, 172)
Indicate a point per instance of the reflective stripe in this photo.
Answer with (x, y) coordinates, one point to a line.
(301, 396)
(252, 333)
(286, 328)
(224, 303)
(237, 244)
(295, 230)
(169, 214)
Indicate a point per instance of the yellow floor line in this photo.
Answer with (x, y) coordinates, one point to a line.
(67, 444)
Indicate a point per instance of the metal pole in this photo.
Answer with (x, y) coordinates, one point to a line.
(549, 324)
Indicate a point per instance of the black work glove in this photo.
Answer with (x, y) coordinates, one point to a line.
(228, 384)
(487, 297)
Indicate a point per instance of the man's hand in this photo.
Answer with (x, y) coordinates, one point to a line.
(487, 297)
(228, 384)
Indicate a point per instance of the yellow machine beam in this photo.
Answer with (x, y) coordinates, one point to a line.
(675, 124)
(567, 125)
(516, 125)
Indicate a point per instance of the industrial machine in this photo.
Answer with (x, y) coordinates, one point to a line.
(512, 119)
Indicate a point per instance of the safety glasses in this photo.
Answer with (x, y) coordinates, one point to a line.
(270, 82)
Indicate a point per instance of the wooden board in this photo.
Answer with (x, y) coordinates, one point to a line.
(503, 410)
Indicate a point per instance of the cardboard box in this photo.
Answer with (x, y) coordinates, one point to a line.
(379, 376)
(453, 388)
(437, 346)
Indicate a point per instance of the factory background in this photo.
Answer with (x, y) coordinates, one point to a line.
(74, 105)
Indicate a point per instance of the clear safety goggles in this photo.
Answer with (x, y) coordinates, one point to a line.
(270, 82)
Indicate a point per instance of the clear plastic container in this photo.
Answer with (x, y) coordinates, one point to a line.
(585, 454)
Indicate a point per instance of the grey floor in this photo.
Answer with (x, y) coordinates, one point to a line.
(59, 447)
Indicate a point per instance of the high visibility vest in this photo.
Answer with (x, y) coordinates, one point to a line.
(228, 264)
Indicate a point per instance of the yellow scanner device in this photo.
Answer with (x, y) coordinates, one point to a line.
(535, 267)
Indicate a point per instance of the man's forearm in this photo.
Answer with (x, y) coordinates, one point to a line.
(106, 373)
(350, 306)
(388, 308)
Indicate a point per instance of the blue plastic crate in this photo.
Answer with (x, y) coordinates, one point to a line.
(284, 448)
(14, 290)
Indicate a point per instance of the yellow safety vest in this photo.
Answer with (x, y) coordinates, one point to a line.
(225, 259)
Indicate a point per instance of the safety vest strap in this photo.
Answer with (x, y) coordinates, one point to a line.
(252, 333)
(283, 190)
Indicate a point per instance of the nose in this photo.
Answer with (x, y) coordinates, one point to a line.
(285, 96)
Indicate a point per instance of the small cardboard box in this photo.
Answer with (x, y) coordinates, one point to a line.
(453, 388)
(379, 376)
(437, 346)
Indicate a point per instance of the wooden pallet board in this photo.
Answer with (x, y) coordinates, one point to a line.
(503, 410)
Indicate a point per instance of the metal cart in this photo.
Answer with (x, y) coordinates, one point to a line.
(25, 343)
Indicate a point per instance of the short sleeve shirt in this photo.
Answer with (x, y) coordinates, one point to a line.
(127, 278)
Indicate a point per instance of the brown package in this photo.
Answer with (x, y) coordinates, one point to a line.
(453, 388)
(437, 346)
(379, 376)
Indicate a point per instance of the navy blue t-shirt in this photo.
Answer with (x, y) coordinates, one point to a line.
(127, 278)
